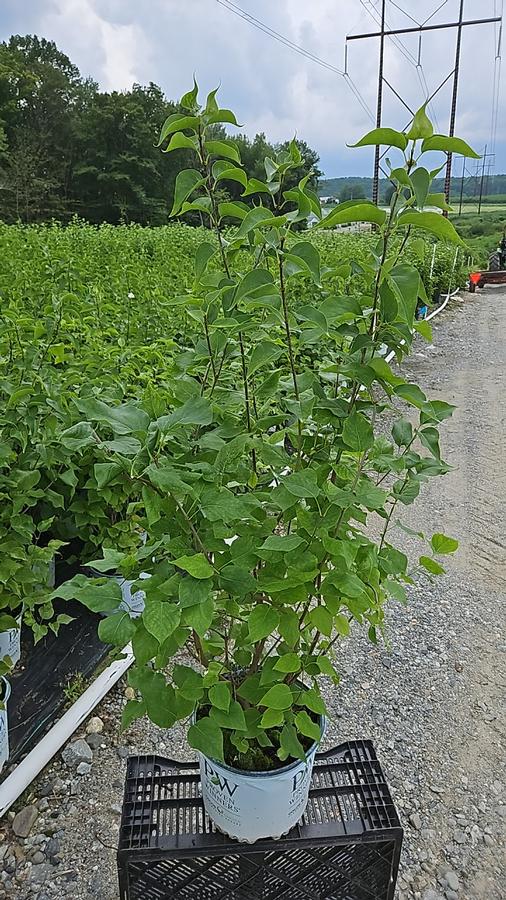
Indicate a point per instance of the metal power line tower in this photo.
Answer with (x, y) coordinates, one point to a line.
(420, 30)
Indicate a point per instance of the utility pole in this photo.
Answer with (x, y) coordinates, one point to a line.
(420, 30)
(375, 182)
(453, 109)
(462, 183)
(482, 179)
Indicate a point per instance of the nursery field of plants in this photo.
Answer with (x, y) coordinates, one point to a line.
(88, 302)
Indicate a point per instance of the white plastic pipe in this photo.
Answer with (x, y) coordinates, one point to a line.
(48, 746)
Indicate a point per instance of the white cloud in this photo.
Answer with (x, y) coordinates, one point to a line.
(271, 87)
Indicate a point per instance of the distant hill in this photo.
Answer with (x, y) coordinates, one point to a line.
(494, 185)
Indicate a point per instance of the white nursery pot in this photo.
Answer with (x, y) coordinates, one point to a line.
(4, 725)
(10, 642)
(252, 805)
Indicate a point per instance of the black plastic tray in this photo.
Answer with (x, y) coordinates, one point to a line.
(346, 846)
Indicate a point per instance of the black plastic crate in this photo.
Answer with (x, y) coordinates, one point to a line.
(346, 846)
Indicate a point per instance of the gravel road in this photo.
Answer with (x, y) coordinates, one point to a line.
(431, 701)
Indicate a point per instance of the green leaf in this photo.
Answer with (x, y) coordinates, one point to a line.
(449, 145)
(272, 718)
(160, 618)
(383, 371)
(144, 646)
(220, 696)
(386, 136)
(359, 212)
(256, 217)
(132, 710)
(206, 735)
(123, 419)
(98, 595)
(424, 328)
(187, 182)
(233, 718)
(412, 394)
(277, 697)
(290, 744)
(289, 663)
(166, 479)
(302, 484)
(258, 282)
(225, 149)
(111, 561)
(402, 432)
(78, 436)
(310, 256)
(313, 701)
(443, 544)
(105, 473)
(193, 591)
(196, 565)
(189, 682)
(225, 116)
(199, 616)
(282, 543)
(307, 727)
(357, 432)
(176, 122)
(262, 621)
(116, 629)
(320, 618)
(196, 411)
(421, 126)
(180, 141)
(263, 353)
(420, 179)
(189, 100)
(203, 254)
(431, 565)
(429, 437)
(433, 222)
(289, 627)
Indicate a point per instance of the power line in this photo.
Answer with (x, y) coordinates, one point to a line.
(297, 48)
(412, 60)
(277, 36)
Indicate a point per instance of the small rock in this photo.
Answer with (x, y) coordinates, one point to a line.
(95, 725)
(123, 752)
(40, 873)
(488, 840)
(116, 809)
(129, 693)
(431, 895)
(452, 880)
(83, 768)
(93, 740)
(451, 895)
(77, 752)
(415, 821)
(52, 847)
(58, 786)
(459, 837)
(458, 666)
(38, 857)
(43, 804)
(24, 821)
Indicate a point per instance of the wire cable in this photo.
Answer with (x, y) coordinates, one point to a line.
(256, 23)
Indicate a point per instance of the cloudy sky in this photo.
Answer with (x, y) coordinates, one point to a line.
(271, 87)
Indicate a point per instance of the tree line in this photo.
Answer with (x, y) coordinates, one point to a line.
(68, 148)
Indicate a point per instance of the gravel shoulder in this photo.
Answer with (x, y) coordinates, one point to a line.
(432, 700)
